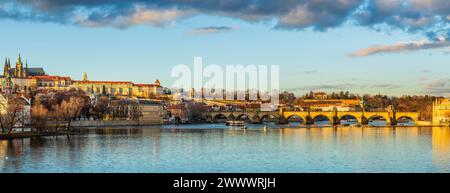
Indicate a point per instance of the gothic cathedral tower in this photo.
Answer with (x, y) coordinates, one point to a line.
(7, 68)
(19, 71)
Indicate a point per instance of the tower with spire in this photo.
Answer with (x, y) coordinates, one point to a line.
(85, 77)
(7, 84)
(18, 71)
(25, 72)
(7, 68)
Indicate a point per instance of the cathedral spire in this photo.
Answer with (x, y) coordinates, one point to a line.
(19, 60)
(6, 68)
(25, 71)
(18, 71)
(85, 77)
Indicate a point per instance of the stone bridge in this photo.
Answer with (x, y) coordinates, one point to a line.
(308, 117)
(252, 116)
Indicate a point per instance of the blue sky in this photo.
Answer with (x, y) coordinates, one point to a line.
(310, 57)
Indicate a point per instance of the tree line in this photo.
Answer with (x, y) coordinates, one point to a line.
(53, 109)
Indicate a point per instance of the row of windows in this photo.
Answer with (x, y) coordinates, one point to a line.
(52, 84)
(20, 89)
(107, 90)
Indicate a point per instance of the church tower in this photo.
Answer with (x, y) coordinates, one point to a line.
(25, 72)
(8, 84)
(7, 68)
(18, 71)
(85, 77)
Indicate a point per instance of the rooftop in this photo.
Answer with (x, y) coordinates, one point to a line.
(51, 77)
(101, 82)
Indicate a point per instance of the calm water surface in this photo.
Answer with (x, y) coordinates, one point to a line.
(216, 148)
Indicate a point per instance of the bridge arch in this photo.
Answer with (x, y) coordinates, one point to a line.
(244, 117)
(349, 116)
(402, 119)
(295, 116)
(268, 117)
(412, 116)
(329, 119)
(379, 117)
(219, 116)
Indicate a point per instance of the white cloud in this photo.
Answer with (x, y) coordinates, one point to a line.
(213, 29)
(401, 47)
(440, 87)
(139, 15)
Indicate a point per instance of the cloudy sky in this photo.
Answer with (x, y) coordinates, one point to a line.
(365, 46)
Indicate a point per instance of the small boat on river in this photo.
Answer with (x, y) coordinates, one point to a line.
(235, 123)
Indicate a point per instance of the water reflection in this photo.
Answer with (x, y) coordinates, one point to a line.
(216, 148)
(441, 149)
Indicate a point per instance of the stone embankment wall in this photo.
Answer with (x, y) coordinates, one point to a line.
(151, 114)
(108, 123)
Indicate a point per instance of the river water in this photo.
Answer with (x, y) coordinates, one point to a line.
(217, 148)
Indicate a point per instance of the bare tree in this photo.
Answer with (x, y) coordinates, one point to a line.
(13, 108)
(24, 117)
(69, 109)
(39, 116)
(101, 107)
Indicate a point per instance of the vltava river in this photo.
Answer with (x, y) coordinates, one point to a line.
(217, 148)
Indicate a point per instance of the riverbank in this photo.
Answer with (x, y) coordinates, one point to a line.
(112, 123)
(29, 134)
(123, 124)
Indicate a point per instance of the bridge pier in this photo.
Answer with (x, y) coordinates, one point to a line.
(309, 120)
(335, 121)
(255, 120)
(391, 122)
(282, 120)
(364, 120)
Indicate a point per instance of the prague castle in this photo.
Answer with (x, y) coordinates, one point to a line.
(19, 71)
(22, 79)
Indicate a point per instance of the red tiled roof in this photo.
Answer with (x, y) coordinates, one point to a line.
(112, 82)
(52, 77)
(102, 82)
(149, 85)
